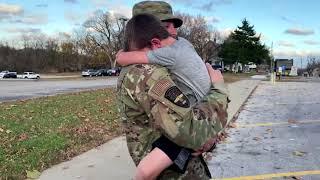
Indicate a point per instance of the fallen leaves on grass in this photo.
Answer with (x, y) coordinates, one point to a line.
(33, 174)
(81, 121)
(89, 127)
(23, 137)
(8, 131)
(107, 101)
(81, 116)
(10, 107)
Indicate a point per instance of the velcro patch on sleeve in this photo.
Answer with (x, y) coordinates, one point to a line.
(165, 92)
(161, 87)
(174, 95)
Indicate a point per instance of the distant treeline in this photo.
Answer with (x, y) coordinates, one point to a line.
(96, 42)
(48, 59)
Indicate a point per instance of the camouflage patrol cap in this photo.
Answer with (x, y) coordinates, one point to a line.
(160, 9)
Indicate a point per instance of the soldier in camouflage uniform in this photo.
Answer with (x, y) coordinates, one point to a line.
(152, 105)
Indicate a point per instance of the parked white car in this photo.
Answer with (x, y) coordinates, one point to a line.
(88, 72)
(8, 74)
(29, 75)
(2, 73)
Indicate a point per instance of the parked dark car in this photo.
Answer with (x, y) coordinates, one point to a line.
(114, 71)
(111, 72)
(10, 75)
(101, 72)
(217, 67)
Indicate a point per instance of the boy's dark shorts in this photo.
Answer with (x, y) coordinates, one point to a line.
(180, 156)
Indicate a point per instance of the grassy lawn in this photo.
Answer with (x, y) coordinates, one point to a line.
(291, 79)
(233, 77)
(37, 133)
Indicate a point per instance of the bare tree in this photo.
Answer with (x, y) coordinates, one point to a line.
(199, 33)
(313, 63)
(105, 31)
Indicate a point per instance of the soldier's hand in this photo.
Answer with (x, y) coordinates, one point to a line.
(215, 75)
(197, 153)
(207, 146)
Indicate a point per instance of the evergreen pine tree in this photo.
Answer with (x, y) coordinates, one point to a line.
(243, 46)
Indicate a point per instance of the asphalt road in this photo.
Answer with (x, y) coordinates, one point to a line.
(24, 89)
(277, 131)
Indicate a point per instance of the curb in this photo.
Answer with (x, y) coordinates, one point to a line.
(235, 116)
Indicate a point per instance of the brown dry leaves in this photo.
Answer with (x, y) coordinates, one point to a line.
(23, 137)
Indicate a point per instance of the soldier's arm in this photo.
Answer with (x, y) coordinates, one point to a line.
(186, 125)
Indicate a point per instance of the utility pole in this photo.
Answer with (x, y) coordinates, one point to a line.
(272, 75)
(123, 20)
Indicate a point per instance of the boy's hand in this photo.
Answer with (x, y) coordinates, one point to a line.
(118, 54)
(215, 75)
(120, 58)
(124, 58)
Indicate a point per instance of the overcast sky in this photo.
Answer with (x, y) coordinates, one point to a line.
(292, 25)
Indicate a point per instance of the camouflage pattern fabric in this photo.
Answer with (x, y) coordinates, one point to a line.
(160, 9)
(196, 170)
(150, 105)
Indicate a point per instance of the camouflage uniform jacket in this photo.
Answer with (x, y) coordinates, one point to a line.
(150, 104)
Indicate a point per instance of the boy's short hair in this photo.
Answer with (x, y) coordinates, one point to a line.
(141, 29)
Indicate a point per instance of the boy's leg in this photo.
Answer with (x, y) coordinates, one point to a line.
(197, 169)
(164, 154)
(152, 165)
(179, 155)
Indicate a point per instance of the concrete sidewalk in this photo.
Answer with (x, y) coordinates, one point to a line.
(112, 161)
